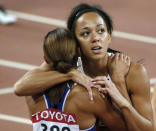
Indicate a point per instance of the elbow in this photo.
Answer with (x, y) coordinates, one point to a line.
(17, 89)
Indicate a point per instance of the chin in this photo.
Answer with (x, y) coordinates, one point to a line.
(98, 57)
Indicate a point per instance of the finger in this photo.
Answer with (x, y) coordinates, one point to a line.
(103, 90)
(121, 56)
(97, 86)
(125, 58)
(128, 60)
(102, 95)
(99, 78)
(116, 56)
(89, 83)
(90, 93)
(101, 83)
(112, 56)
(109, 57)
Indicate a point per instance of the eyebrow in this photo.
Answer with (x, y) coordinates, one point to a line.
(86, 28)
(100, 25)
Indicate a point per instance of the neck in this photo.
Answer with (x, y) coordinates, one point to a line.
(95, 68)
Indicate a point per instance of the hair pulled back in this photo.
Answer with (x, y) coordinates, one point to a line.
(60, 50)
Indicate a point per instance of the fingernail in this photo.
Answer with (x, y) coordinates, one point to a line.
(91, 98)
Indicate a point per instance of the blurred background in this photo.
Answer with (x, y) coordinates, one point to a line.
(21, 43)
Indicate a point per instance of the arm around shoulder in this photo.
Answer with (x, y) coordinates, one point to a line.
(38, 80)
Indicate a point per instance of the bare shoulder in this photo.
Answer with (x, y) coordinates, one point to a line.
(80, 96)
(98, 108)
(78, 102)
(81, 92)
(137, 77)
(35, 103)
(136, 68)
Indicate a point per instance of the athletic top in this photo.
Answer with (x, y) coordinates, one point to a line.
(54, 119)
(80, 66)
(60, 105)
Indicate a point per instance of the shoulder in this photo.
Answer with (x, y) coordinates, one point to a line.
(137, 77)
(137, 68)
(98, 108)
(80, 96)
(81, 92)
(35, 103)
(137, 71)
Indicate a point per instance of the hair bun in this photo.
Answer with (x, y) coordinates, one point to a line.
(63, 66)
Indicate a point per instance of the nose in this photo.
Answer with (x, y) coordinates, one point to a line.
(95, 37)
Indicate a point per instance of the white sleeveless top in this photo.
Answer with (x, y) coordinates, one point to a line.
(80, 67)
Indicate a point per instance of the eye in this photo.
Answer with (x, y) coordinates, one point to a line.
(85, 34)
(101, 31)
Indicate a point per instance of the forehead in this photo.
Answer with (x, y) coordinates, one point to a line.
(89, 18)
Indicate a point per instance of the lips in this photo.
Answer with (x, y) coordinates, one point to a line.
(96, 49)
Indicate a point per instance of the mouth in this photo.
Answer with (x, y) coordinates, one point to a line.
(96, 49)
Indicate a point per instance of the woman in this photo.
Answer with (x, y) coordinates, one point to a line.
(60, 53)
(92, 30)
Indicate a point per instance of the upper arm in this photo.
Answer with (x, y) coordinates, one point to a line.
(138, 84)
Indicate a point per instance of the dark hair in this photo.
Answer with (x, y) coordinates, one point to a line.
(60, 50)
(84, 8)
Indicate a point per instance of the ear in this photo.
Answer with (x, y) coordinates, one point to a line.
(45, 59)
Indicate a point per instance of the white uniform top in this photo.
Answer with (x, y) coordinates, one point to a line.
(80, 66)
(54, 120)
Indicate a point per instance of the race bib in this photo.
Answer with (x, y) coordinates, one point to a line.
(54, 120)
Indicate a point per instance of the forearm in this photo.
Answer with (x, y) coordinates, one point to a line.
(32, 84)
(120, 83)
(134, 121)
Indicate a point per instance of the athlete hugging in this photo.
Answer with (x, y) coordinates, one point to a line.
(121, 103)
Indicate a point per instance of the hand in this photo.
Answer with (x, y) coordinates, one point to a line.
(118, 65)
(111, 90)
(83, 80)
(99, 81)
